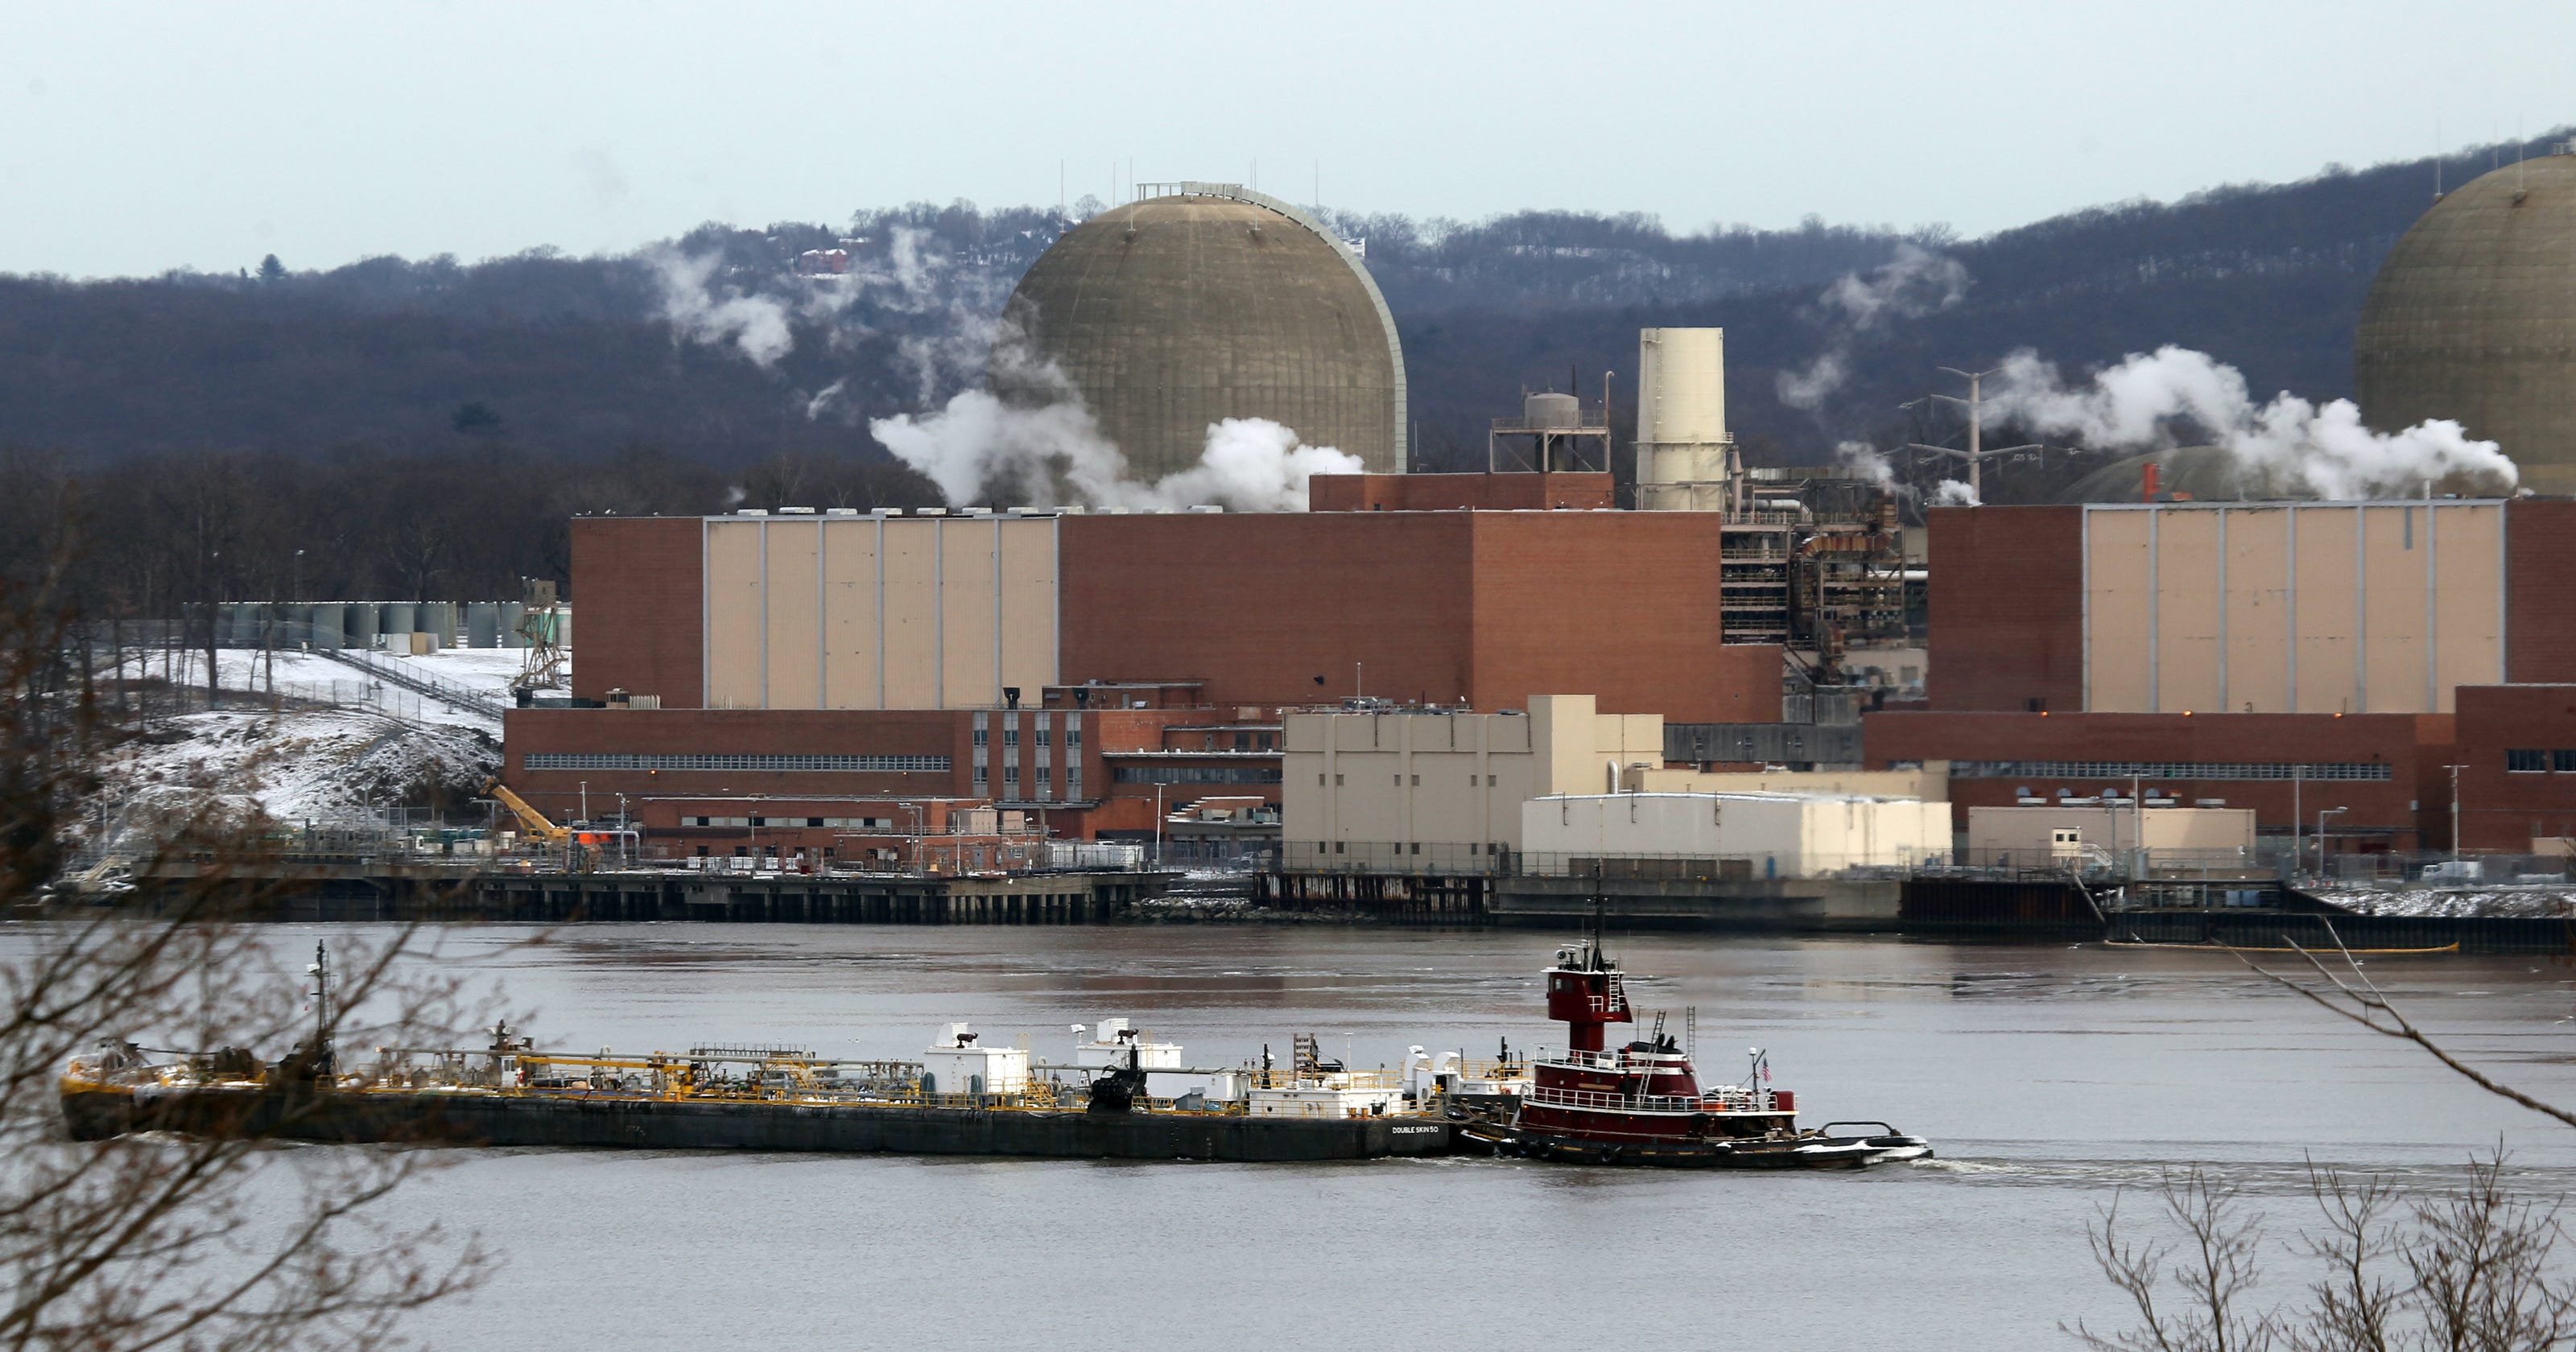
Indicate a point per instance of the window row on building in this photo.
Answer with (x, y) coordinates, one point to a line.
(554, 760)
(2541, 762)
(1196, 774)
(2168, 770)
(824, 823)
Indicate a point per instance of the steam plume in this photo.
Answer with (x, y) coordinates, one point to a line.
(1914, 283)
(1954, 493)
(1863, 457)
(2138, 404)
(978, 447)
(756, 325)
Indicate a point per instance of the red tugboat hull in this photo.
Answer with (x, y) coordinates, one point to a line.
(1642, 1102)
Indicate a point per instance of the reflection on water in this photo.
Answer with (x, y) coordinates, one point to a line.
(2048, 1076)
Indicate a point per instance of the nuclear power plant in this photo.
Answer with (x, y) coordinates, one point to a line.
(1204, 302)
(2350, 680)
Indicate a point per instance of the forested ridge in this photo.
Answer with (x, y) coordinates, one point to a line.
(425, 425)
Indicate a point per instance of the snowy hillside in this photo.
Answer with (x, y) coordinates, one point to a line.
(303, 739)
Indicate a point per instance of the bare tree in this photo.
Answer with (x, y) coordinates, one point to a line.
(2360, 1000)
(2469, 1268)
(155, 1241)
(2213, 1266)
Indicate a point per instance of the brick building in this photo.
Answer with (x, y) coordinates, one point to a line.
(2284, 657)
(1088, 667)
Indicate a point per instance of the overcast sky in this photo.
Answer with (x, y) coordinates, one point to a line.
(149, 137)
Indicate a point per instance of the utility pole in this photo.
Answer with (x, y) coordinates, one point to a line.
(1976, 455)
(2455, 813)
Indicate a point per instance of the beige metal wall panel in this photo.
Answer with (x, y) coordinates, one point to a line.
(2257, 650)
(850, 615)
(911, 632)
(2468, 610)
(734, 602)
(1029, 608)
(970, 667)
(2394, 674)
(2188, 607)
(1561, 737)
(2327, 650)
(2118, 602)
(794, 614)
(1448, 804)
(1515, 775)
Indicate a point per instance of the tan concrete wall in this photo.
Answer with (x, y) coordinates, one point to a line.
(2468, 609)
(1783, 835)
(2325, 608)
(2254, 672)
(1931, 783)
(970, 614)
(734, 602)
(2394, 673)
(879, 613)
(850, 654)
(1452, 781)
(1030, 605)
(792, 572)
(2025, 831)
(2327, 653)
(2119, 610)
(2188, 604)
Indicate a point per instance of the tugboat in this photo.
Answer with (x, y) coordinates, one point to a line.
(1642, 1103)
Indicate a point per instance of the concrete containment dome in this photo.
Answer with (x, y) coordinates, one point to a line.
(2473, 318)
(1213, 302)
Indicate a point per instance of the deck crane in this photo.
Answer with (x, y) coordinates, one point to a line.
(538, 827)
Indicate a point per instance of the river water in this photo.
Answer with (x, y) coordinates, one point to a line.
(2047, 1076)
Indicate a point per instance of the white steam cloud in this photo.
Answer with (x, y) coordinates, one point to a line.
(1953, 493)
(1914, 283)
(979, 447)
(754, 324)
(1863, 458)
(2140, 403)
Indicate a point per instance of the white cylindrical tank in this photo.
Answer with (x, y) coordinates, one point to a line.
(1681, 386)
(1682, 448)
(1551, 410)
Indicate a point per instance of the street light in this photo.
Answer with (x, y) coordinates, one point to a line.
(2322, 814)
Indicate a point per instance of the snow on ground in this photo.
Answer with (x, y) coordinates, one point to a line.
(318, 766)
(340, 745)
(2542, 900)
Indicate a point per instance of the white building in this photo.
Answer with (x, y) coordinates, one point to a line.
(1441, 783)
(2040, 836)
(1756, 835)
(959, 1064)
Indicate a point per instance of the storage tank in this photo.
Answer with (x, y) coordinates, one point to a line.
(1210, 302)
(323, 625)
(513, 615)
(2473, 318)
(397, 617)
(1552, 410)
(364, 624)
(1684, 457)
(483, 624)
(439, 617)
